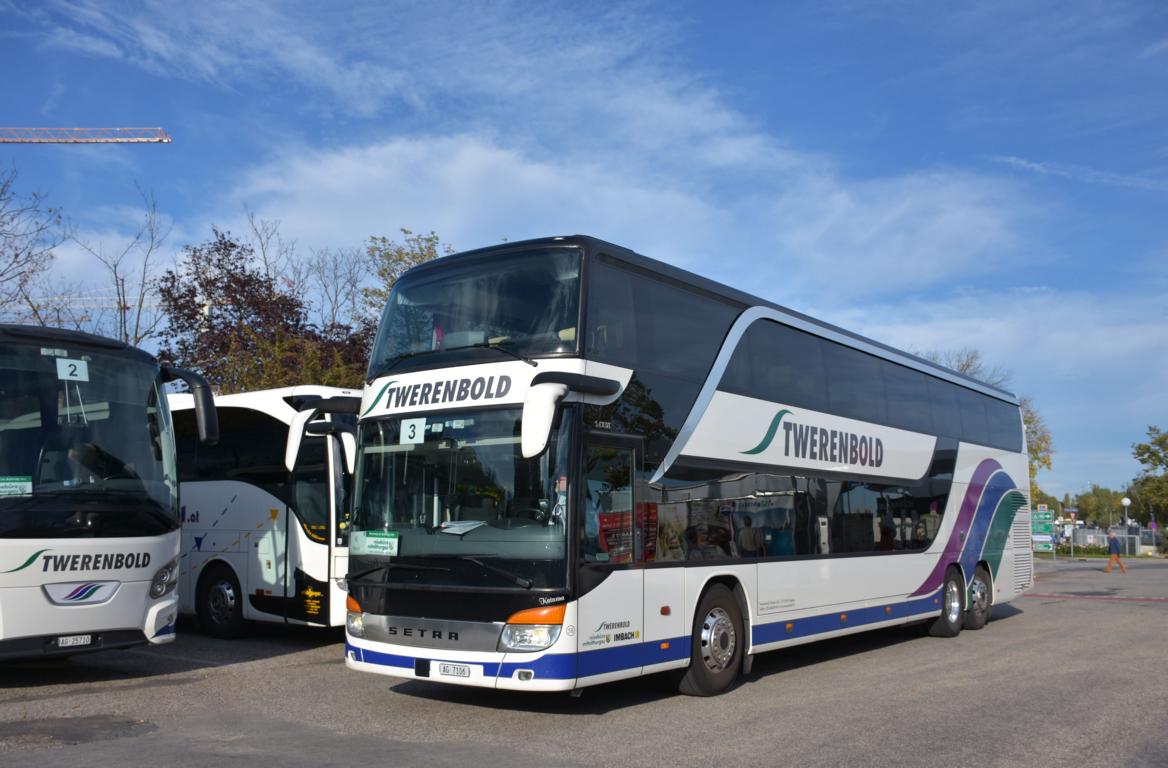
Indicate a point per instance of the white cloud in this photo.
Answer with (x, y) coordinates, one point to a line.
(1086, 175)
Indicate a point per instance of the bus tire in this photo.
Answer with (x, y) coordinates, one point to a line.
(219, 602)
(949, 623)
(717, 646)
(980, 605)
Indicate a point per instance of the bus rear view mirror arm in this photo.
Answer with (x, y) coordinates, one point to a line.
(206, 418)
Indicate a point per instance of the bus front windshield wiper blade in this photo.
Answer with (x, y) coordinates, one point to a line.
(498, 345)
(525, 583)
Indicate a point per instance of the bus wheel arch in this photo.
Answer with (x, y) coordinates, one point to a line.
(718, 643)
(979, 597)
(219, 600)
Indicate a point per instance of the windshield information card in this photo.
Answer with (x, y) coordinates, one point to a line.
(373, 543)
(15, 485)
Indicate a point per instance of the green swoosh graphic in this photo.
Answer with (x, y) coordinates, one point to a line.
(27, 562)
(377, 399)
(770, 435)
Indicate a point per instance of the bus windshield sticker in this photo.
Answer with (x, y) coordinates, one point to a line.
(413, 431)
(72, 370)
(15, 485)
(380, 543)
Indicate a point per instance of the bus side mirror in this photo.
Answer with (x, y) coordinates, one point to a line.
(546, 392)
(351, 405)
(295, 435)
(539, 411)
(347, 434)
(206, 418)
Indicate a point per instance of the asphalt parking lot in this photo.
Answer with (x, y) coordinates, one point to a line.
(1073, 673)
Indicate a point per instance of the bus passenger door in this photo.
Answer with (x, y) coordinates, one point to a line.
(340, 487)
(611, 613)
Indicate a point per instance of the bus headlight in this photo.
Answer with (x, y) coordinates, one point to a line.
(354, 618)
(165, 580)
(529, 637)
(533, 629)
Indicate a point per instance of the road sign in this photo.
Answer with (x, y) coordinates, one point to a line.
(1043, 508)
(1042, 527)
(1042, 514)
(1043, 546)
(1041, 537)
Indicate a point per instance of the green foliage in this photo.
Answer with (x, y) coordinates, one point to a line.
(390, 260)
(1149, 491)
(1100, 505)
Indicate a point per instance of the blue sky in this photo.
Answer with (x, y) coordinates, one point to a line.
(994, 176)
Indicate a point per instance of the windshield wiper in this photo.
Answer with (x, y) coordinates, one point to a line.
(385, 368)
(506, 350)
(525, 583)
(356, 577)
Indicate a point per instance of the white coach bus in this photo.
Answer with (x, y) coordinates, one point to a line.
(576, 464)
(260, 542)
(89, 507)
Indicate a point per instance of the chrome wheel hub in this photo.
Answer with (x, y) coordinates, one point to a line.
(952, 602)
(221, 602)
(718, 640)
(979, 595)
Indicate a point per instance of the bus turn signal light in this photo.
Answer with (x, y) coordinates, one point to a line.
(550, 614)
(352, 605)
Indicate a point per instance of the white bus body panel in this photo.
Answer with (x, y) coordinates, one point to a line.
(87, 600)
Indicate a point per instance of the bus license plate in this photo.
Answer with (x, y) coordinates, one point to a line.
(72, 641)
(454, 670)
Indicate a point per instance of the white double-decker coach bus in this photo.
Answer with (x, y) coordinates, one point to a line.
(260, 541)
(577, 464)
(89, 507)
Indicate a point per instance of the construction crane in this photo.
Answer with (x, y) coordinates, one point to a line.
(83, 136)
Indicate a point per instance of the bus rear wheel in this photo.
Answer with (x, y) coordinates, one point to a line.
(219, 603)
(949, 623)
(717, 646)
(979, 599)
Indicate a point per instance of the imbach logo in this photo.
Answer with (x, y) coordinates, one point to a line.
(807, 441)
(442, 391)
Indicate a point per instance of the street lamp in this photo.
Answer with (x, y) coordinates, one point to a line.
(1126, 502)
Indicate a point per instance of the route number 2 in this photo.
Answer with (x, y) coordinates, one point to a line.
(72, 370)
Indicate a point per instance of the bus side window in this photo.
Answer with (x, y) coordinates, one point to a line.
(608, 505)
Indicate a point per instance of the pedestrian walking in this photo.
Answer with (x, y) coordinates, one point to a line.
(1113, 549)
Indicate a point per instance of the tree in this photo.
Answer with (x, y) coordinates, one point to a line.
(390, 260)
(29, 232)
(237, 324)
(1149, 490)
(1100, 505)
(1039, 443)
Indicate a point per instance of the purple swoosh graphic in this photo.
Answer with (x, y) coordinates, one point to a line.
(968, 506)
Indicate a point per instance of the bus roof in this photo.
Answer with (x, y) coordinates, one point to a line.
(48, 335)
(593, 245)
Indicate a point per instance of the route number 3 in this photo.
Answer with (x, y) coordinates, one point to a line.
(413, 431)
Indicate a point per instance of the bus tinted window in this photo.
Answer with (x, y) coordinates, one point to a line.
(908, 398)
(974, 425)
(250, 449)
(1005, 425)
(943, 405)
(652, 325)
(708, 515)
(855, 387)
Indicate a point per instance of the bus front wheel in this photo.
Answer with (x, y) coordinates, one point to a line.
(717, 645)
(952, 617)
(220, 603)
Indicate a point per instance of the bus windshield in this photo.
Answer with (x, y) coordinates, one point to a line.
(85, 445)
(453, 494)
(524, 303)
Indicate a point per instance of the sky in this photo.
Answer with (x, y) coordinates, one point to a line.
(936, 176)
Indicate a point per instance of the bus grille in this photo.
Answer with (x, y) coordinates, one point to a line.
(1023, 551)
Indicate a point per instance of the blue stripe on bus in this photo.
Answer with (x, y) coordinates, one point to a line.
(567, 666)
(830, 622)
